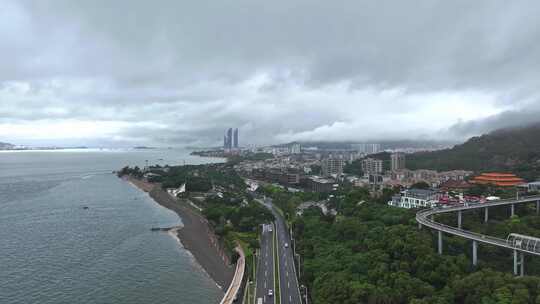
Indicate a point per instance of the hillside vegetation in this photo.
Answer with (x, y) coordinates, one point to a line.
(373, 253)
(514, 150)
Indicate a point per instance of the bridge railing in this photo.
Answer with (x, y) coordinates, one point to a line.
(523, 199)
(462, 232)
(513, 241)
(527, 243)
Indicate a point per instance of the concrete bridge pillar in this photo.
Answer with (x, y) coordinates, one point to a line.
(512, 210)
(522, 266)
(486, 215)
(440, 242)
(515, 262)
(474, 253)
(519, 263)
(459, 219)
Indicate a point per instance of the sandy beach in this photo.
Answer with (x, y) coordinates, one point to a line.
(196, 235)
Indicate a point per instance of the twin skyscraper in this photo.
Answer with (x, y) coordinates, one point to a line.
(230, 140)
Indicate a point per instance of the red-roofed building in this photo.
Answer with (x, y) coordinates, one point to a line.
(497, 179)
(454, 185)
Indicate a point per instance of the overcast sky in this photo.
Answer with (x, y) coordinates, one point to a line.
(173, 73)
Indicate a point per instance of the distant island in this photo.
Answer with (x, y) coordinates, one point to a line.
(6, 146)
(143, 148)
(11, 147)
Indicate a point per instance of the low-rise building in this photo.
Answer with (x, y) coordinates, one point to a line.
(415, 198)
(433, 178)
(454, 185)
(322, 185)
(375, 181)
(289, 178)
(454, 175)
(531, 187)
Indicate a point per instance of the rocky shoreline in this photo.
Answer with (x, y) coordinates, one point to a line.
(195, 235)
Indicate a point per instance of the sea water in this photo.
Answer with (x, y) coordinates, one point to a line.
(72, 232)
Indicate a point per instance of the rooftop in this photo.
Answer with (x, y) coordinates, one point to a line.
(422, 192)
(498, 179)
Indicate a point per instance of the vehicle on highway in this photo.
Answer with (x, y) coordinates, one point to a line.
(259, 301)
(286, 245)
(270, 292)
(270, 228)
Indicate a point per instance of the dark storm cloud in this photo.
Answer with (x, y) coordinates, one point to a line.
(180, 72)
(507, 119)
(431, 44)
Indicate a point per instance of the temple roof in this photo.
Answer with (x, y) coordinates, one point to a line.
(498, 179)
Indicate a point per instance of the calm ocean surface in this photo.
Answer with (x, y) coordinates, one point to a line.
(54, 251)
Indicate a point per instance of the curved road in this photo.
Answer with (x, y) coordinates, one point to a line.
(424, 217)
(232, 293)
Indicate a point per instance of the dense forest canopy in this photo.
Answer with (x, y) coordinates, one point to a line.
(515, 150)
(202, 177)
(375, 254)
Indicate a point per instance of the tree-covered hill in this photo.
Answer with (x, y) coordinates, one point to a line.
(515, 150)
(373, 253)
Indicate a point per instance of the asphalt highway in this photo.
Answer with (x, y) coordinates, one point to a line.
(265, 269)
(289, 288)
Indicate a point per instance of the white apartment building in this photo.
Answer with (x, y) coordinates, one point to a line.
(415, 198)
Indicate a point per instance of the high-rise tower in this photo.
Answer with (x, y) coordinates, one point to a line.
(397, 161)
(235, 139)
(229, 139)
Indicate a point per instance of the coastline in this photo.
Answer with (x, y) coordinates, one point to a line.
(195, 235)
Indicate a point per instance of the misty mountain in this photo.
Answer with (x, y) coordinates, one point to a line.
(385, 144)
(6, 146)
(515, 150)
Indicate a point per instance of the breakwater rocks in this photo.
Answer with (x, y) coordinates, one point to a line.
(166, 229)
